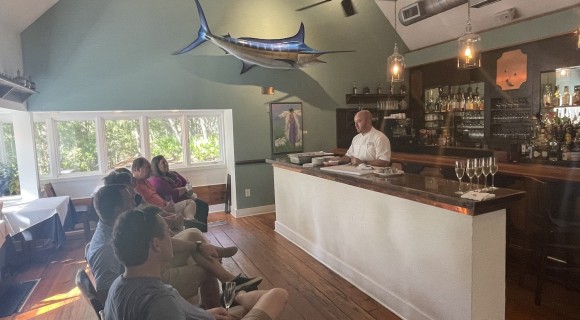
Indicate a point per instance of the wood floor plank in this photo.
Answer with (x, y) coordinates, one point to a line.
(315, 291)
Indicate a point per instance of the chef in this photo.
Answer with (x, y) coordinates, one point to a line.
(369, 146)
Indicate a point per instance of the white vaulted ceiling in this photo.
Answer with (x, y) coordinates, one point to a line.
(19, 14)
(450, 24)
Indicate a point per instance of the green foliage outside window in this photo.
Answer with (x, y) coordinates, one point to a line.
(123, 139)
(9, 177)
(165, 139)
(42, 154)
(77, 141)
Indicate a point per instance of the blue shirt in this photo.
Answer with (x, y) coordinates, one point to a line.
(102, 259)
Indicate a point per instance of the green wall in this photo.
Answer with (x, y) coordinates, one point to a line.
(111, 55)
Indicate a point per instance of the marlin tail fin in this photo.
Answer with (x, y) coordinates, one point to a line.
(202, 34)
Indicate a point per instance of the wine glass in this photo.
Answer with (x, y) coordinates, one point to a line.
(470, 171)
(229, 294)
(493, 171)
(485, 170)
(459, 172)
(478, 170)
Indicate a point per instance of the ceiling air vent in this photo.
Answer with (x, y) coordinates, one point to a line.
(481, 3)
(410, 14)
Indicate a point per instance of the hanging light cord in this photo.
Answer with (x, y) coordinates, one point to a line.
(468, 27)
(395, 21)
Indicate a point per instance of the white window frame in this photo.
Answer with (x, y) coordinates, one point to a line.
(142, 116)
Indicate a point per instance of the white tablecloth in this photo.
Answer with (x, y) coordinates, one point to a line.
(22, 216)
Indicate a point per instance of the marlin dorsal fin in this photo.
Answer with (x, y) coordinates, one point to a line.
(299, 37)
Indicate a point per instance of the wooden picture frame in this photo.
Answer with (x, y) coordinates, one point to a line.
(286, 127)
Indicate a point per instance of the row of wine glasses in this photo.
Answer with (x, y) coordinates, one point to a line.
(476, 167)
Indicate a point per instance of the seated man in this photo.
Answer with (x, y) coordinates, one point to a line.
(143, 245)
(141, 170)
(187, 275)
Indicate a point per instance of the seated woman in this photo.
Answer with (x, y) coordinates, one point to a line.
(116, 176)
(141, 170)
(172, 184)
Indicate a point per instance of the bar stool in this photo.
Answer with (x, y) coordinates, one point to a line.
(553, 243)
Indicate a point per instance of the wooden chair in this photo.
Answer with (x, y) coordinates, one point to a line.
(84, 207)
(553, 243)
(85, 285)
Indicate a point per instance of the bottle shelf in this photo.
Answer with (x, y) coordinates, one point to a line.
(371, 98)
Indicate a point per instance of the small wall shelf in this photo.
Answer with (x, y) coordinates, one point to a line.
(14, 92)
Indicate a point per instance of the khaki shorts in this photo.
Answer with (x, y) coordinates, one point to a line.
(256, 314)
(184, 275)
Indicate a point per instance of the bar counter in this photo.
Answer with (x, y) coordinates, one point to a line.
(541, 171)
(428, 190)
(408, 241)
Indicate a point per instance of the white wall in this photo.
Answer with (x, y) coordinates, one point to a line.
(10, 60)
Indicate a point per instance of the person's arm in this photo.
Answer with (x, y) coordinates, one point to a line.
(149, 194)
(383, 152)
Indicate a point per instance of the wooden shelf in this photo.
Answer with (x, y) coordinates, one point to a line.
(370, 98)
(14, 92)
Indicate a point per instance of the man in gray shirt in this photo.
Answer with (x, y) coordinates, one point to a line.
(142, 243)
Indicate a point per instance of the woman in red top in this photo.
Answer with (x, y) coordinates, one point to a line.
(172, 185)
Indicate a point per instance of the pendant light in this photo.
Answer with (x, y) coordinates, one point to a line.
(396, 62)
(469, 46)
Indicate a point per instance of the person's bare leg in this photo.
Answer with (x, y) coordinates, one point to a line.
(272, 302)
(214, 267)
(194, 235)
(210, 293)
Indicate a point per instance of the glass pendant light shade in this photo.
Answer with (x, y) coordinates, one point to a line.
(396, 62)
(396, 65)
(578, 34)
(469, 50)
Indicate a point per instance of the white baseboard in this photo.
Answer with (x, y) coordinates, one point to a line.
(238, 213)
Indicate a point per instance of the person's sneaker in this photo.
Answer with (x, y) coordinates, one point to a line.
(246, 284)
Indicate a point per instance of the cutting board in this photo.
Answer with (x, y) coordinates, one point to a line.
(347, 169)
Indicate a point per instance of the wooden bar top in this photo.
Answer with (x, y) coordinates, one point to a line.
(433, 191)
(539, 171)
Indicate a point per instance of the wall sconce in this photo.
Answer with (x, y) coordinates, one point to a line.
(469, 46)
(268, 90)
(578, 36)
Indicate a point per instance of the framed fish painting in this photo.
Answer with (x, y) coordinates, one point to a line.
(286, 124)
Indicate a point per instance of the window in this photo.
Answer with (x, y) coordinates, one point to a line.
(165, 139)
(205, 139)
(42, 152)
(77, 145)
(123, 142)
(9, 178)
(81, 143)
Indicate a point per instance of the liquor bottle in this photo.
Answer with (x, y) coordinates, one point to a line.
(566, 97)
(576, 98)
(354, 88)
(565, 151)
(554, 149)
(547, 97)
(556, 97)
(379, 89)
(461, 100)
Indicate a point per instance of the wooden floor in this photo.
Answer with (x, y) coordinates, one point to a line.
(315, 291)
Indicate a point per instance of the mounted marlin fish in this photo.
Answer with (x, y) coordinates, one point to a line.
(285, 53)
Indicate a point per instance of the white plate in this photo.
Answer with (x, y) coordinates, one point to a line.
(390, 174)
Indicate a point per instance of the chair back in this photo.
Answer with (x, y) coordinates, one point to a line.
(49, 190)
(84, 284)
(538, 206)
